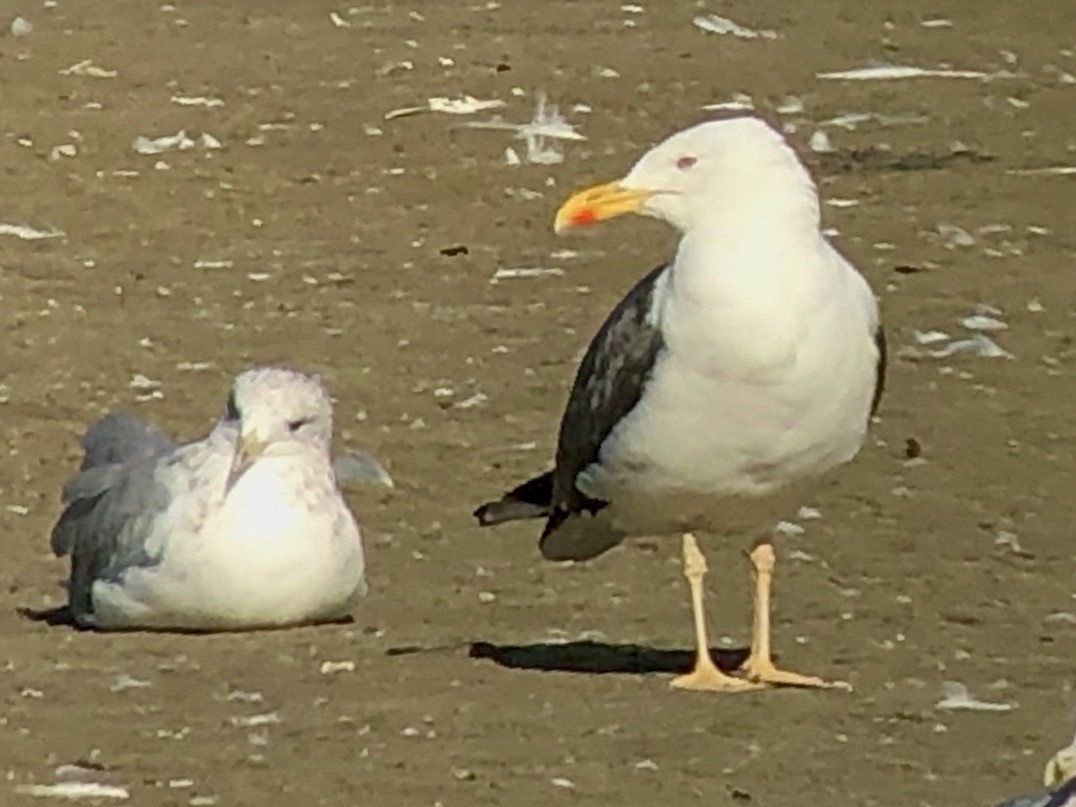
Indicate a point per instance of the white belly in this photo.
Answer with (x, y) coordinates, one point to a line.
(260, 561)
(718, 441)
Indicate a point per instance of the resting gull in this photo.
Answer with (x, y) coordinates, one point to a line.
(245, 529)
(723, 383)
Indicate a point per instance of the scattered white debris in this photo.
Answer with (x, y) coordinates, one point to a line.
(715, 24)
(1035, 306)
(931, 337)
(741, 102)
(956, 696)
(955, 236)
(560, 781)
(1008, 540)
(88, 68)
(788, 529)
(547, 125)
(198, 100)
(791, 105)
(806, 513)
(842, 202)
(27, 233)
(820, 143)
(251, 721)
(936, 22)
(511, 157)
(124, 681)
(20, 27)
(75, 790)
(338, 21)
(331, 667)
(982, 322)
(889, 71)
(645, 765)
(477, 399)
(465, 105)
(1056, 170)
(978, 345)
(537, 271)
(177, 142)
(139, 381)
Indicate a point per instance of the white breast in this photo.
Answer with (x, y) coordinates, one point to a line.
(759, 387)
(265, 558)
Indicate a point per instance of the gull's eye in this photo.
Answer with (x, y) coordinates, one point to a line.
(231, 412)
(686, 162)
(295, 425)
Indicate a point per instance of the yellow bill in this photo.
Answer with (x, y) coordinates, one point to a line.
(248, 450)
(597, 204)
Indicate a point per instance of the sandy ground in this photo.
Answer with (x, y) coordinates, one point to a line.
(317, 236)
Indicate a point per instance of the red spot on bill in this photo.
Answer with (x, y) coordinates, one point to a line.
(584, 216)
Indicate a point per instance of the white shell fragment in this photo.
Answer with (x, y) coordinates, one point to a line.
(87, 68)
(75, 790)
(820, 143)
(716, 24)
(20, 27)
(885, 72)
(535, 271)
(982, 322)
(957, 697)
(176, 142)
(27, 233)
(955, 236)
(978, 345)
(464, 105)
(741, 102)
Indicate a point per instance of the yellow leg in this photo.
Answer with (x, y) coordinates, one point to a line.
(706, 675)
(759, 666)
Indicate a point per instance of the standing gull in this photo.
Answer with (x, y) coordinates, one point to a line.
(245, 529)
(723, 383)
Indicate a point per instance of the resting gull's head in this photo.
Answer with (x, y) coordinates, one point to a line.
(699, 173)
(278, 412)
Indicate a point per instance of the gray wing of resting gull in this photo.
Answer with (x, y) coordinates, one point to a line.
(1062, 796)
(120, 453)
(244, 529)
(608, 384)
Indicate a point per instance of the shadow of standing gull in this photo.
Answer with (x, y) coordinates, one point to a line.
(597, 658)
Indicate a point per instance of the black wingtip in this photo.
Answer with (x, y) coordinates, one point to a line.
(481, 514)
(507, 509)
(529, 500)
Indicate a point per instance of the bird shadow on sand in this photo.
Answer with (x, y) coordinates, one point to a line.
(596, 658)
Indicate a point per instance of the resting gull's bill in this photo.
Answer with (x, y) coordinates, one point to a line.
(723, 383)
(243, 530)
